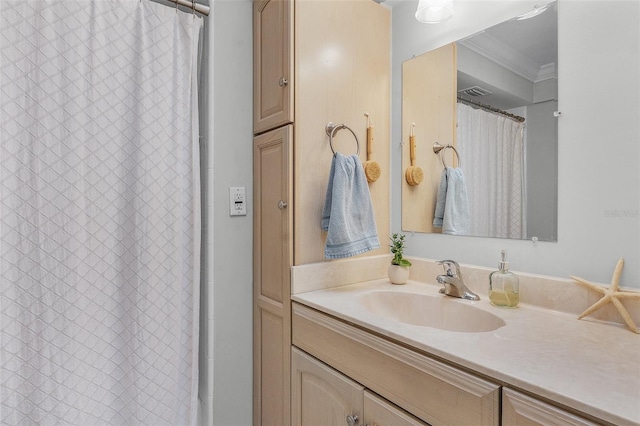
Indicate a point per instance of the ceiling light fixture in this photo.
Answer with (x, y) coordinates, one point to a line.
(537, 10)
(434, 11)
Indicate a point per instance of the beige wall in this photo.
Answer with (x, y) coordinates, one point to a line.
(342, 70)
(428, 100)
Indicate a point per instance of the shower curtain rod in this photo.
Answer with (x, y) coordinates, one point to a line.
(193, 5)
(492, 109)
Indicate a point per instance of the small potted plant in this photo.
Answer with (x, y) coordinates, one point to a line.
(399, 268)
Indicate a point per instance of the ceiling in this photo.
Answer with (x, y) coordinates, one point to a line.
(526, 47)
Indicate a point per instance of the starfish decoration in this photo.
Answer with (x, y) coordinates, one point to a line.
(612, 295)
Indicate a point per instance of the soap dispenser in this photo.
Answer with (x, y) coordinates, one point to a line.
(504, 288)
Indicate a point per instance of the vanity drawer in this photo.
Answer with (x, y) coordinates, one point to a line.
(523, 410)
(433, 391)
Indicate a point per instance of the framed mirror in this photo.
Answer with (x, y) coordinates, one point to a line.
(491, 100)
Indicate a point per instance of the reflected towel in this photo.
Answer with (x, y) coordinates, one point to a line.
(456, 207)
(438, 216)
(347, 215)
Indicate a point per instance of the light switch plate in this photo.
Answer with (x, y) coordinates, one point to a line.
(237, 201)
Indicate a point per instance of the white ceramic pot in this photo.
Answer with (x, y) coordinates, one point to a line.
(398, 274)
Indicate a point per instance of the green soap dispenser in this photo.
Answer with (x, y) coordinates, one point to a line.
(504, 288)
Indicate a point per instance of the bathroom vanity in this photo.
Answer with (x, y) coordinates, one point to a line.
(365, 350)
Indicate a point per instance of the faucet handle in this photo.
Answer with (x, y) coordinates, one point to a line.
(448, 265)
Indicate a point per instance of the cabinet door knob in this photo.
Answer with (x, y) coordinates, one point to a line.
(282, 204)
(283, 82)
(352, 420)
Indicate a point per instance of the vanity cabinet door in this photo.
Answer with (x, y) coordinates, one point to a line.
(522, 410)
(320, 395)
(379, 412)
(272, 64)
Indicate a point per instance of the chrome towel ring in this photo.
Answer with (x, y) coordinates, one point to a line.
(439, 149)
(331, 129)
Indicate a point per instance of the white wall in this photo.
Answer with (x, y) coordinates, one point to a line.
(232, 237)
(599, 138)
(542, 170)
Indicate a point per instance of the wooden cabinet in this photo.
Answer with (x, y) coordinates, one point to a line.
(273, 210)
(404, 387)
(341, 71)
(379, 412)
(272, 64)
(272, 260)
(523, 410)
(434, 392)
(337, 69)
(322, 396)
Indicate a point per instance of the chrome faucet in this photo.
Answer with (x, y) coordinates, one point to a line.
(452, 281)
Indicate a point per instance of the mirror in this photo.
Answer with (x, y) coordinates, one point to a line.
(493, 97)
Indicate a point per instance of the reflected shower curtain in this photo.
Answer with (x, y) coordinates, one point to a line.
(99, 213)
(492, 151)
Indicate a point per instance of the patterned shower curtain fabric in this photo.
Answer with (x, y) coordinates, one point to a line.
(493, 148)
(99, 213)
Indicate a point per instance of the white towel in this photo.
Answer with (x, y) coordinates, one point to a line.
(348, 212)
(456, 206)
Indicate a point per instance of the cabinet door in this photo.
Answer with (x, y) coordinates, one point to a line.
(272, 260)
(522, 410)
(379, 412)
(320, 395)
(272, 64)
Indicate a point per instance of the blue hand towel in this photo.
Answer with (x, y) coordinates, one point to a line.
(347, 215)
(438, 216)
(456, 207)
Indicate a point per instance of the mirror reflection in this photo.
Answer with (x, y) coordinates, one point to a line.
(492, 98)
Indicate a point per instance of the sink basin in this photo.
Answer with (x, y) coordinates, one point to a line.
(442, 312)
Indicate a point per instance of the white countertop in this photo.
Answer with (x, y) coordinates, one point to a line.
(590, 366)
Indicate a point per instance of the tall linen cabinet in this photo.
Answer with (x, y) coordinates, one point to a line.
(315, 61)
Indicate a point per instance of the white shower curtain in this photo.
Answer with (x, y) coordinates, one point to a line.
(492, 150)
(99, 213)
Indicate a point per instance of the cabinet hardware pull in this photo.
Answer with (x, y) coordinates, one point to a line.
(283, 82)
(352, 420)
(282, 205)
